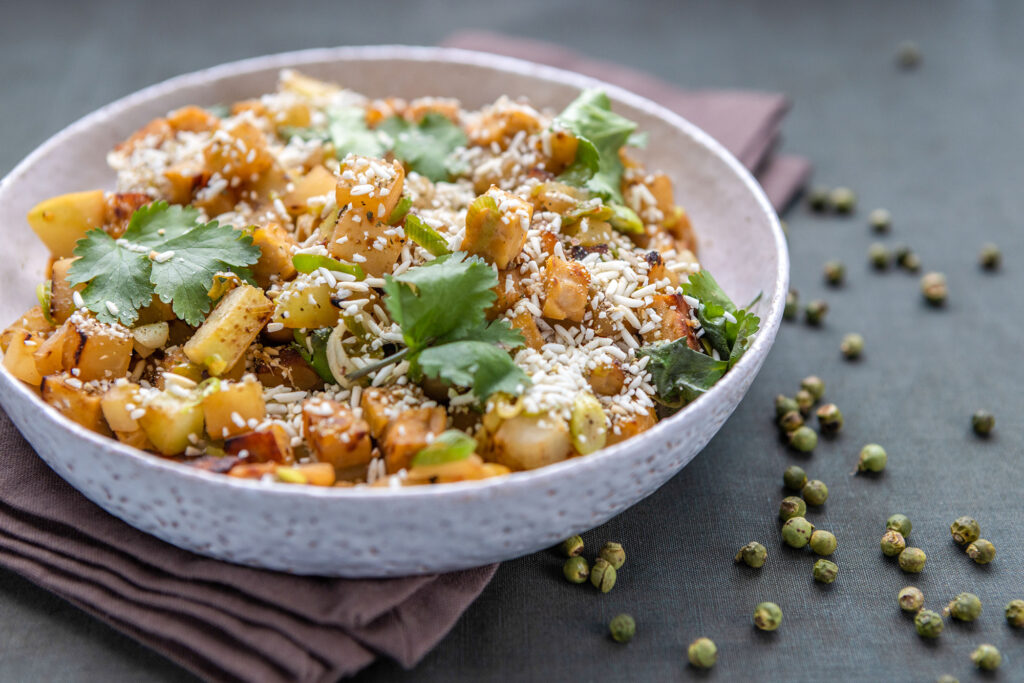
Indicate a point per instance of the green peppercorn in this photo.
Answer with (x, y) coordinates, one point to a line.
(613, 554)
(852, 346)
(879, 256)
(825, 571)
(843, 200)
(602, 576)
(753, 555)
(964, 607)
(792, 307)
(893, 543)
(981, 551)
(873, 458)
(804, 401)
(830, 419)
(990, 257)
(803, 439)
(910, 599)
(815, 492)
(911, 262)
(983, 422)
(933, 287)
(767, 616)
(880, 220)
(835, 272)
(928, 624)
(823, 542)
(965, 530)
(791, 421)
(1015, 613)
(817, 199)
(796, 532)
(900, 523)
(911, 560)
(908, 55)
(791, 507)
(576, 569)
(572, 546)
(813, 385)
(986, 657)
(794, 478)
(622, 628)
(815, 312)
(784, 404)
(702, 653)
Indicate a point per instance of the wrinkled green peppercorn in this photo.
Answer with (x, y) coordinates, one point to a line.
(880, 220)
(815, 312)
(900, 523)
(843, 200)
(893, 543)
(835, 272)
(702, 653)
(990, 257)
(1015, 613)
(576, 569)
(823, 542)
(965, 530)
(964, 607)
(767, 616)
(825, 571)
(933, 287)
(791, 421)
(794, 478)
(981, 551)
(784, 404)
(830, 419)
(817, 198)
(796, 532)
(908, 55)
(803, 439)
(911, 263)
(622, 628)
(613, 554)
(792, 307)
(753, 555)
(814, 385)
(910, 599)
(873, 458)
(572, 546)
(815, 492)
(804, 401)
(879, 256)
(852, 346)
(912, 560)
(928, 624)
(791, 507)
(983, 422)
(602, 575)
(987, 657)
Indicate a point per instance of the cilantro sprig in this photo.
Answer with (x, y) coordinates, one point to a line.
(681, 374)
(164, 251)
(441, 309)
(601, 133)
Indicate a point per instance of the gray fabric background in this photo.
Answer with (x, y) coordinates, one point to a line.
(941, 147)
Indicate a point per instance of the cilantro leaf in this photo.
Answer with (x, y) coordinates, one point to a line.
(153, 224)
(114, 274)
(485, 367)
(679, 373)
(348, 132)
(601, 134)
(702, 287)
(425, 147)
(318, 358)
(742, 333)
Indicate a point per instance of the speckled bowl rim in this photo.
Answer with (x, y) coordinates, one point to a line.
(750, 361)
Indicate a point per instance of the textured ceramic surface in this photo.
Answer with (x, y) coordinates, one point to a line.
(348, 532)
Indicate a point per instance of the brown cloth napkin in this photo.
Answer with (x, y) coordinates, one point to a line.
(222, 621)
(745, 122)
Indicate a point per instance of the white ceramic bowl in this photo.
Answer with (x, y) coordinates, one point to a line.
(376, 532)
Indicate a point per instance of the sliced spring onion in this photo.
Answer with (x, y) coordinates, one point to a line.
(450, 446)
(624, 219)
(425, 236)
(400, 210)
(44, 292)
(307, 263)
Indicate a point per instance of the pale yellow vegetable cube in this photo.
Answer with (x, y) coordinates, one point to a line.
(228, 409)
(19, 357)
(526, 442)
(69, 396)
(496, 226)
(169, 420)
(230, 329)
(119, 403)
(305, 303)
(61, 221)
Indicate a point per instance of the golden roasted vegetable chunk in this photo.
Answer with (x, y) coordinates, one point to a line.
(305, 303)
(61, 221)
(230, 406)
(96, 350)
(566, 290)
(607, 380)
(275, 264)
(49, 355)
(192, 119)
(410, 432)
(335, 434)
(674, 313)
(317, 183)
(525, 442)
(74, 400)
(285, 366)
(369, 185)
(171, 422)
(367, 192)
(121, 407)
(230, 329)
(630, 424)
(270, 445)
(19, 356)
(377, 407)
(496, 225)
(238, 152)
(527, 325)
(502, 121)
(62, 303)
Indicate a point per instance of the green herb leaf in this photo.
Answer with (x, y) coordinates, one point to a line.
(742, 333)
(348, 132)
(318, 358)
(451, 445)
(307, 263)
(425, 236)
(483, 366)
(601, 134)
(114, 274)
(425, 147)
(398, 213)
(681, 374)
